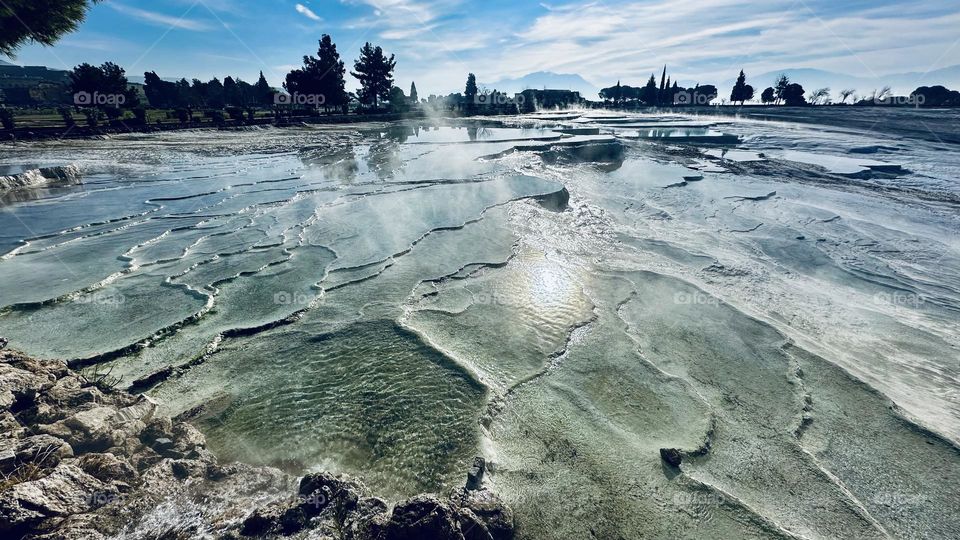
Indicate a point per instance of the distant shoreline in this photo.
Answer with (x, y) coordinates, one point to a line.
(36, 133)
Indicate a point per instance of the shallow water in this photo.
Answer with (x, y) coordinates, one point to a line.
(392, 300)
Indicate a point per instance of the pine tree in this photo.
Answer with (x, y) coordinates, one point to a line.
(320, 82)
(214, 92)
(263, 92)
(231, 92)
(471, 90)
(331, 72)
(375, 73)
(741, 90)
(663, 85)
(414, 98)
(648, 94)
(23, 22)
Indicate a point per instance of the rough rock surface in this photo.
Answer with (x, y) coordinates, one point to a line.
(80, 460)
(68, 175)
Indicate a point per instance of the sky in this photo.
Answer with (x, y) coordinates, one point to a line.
(437, 42)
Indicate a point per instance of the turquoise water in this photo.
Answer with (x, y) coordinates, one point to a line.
(391, 301)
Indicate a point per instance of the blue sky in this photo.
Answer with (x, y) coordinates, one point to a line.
(438, 41)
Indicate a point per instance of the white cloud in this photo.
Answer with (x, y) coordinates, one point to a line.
(707, 41)
(160, 19)
(308, 13)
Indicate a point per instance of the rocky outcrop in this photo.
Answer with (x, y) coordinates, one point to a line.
(79, 459)
(68, 175)
(672, 456)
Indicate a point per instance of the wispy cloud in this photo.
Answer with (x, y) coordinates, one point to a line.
(308, 13)
(599, 41)
(161, 19)
(437, 42)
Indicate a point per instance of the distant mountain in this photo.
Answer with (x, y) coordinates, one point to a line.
(811, 79)
(545, 79)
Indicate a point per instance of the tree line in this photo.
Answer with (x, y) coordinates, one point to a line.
(783, 92)
(319, 84)
(667, 93)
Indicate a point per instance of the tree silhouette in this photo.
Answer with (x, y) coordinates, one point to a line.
(165, 94)
(86, 78)
(375, 73)
(414, 98)
(781, 85)
(793, 95)
(883, 95)
(321, 78)
(332, 73)
(470, 93)
(262, 91)
(769, 95)
(703, 95)
(821, 96)
(661, 93)
(844, 94)
(186, 96)
(741, 90)
(231, 92)
(39, 21)
(935, 96)
(108, 79)
(214, 94)
(398, 101)
(649, 92)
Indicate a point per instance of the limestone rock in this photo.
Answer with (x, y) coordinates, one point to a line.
(672, 456)
(472, 526)
(143, 410)
(475, 474)
(80, 447)
(422, 517)
(157, 428)
(108, 467)
(188, 468)
(67, 490)
(8, 460)
(262, 520)
(490, 509)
